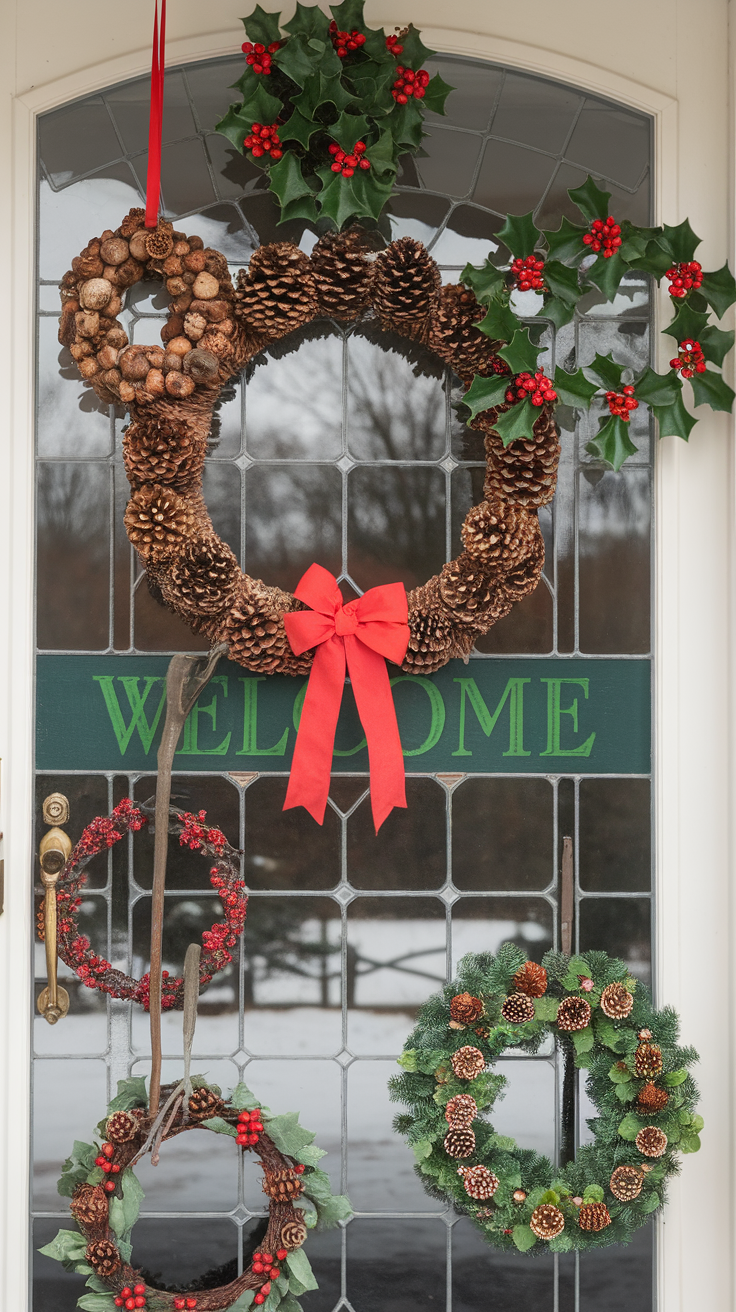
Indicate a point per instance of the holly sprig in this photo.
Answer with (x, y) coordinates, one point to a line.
(568, 274)
(319, 98)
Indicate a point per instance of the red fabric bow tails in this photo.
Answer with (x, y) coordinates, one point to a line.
(361, 635)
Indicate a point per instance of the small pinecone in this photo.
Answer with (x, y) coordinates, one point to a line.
(465, 1008)
(453, 335)
(277, 293)
(626, 1183)
(473, 596)
(651, 1141)
(406, 281)
(342, 274)
(651, 1099)
(616, 1001)
(133, 220)
(461, 1111)
(594, 1216)
(468, 1062)
(255, 632)
(283, 1185)
(547, 1221)
(103, 1256)
(531, 979)
(203, 1104)
(460, 1142)
(523, 576)
(497, 534)
(162, 453)
(89, 1206)
(158, 520)
(525, 471)
(121, 1127)
(648, 1061)
(573, 1013)
(479, 1182)
(160, 241)
(518, 1008)
(293, 1233)
(204, 579)
(432, 636)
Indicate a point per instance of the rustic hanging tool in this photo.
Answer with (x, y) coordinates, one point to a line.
(187, 676)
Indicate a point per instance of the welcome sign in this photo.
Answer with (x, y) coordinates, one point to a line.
(548, 716)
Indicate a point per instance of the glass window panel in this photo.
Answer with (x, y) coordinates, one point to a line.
(527, 1111)
(621, 927)
(529, 627)
(416, 214)
(512, 179)
(396, 522)
(210, 87)
(381, 1174)
(157, 629)
(315, 1087)
(50, 1294)
(287, 849)
(187, 869)
(396, 952)
(224, 228)
(608, 1283)
(223, 495)
(185, 1255)
(378, 1266)
(615, 835)
(68, 218)
(608, 141)
(409, 849)
(185, 920)
(76, 140)
(292, 959)
(72, 421)
(294, 403)
(451, 161)
(73, 555)
(624, 204)
(292, 518)
(396, 401)
(233, 173)
(502, 834)
(130, 103)
(67, 1097)
(467, 237)
(614, 528)
(535, 112)
(198, 1172)
(476, 88)
(482, 924)
(518, 1285)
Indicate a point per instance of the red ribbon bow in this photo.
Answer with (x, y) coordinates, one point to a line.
(156, 117)
(359, 635)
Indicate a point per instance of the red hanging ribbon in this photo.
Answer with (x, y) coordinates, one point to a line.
(361, 635)
(156, 118)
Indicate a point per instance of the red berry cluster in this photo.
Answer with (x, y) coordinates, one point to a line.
(105, 831)
(392, 43)
(259, 56)
(499, 366)
(409, 84)
(264, 140)
(345, 42)
(534, 386)
(347, 164)
(684, 278)
(605, 236)
(104, 1161)
(196, 833)
(131, 1298)
(265, 1264)
(622, 403)
(250, 1126)
(184, 1303)
(528, 274)
(689, 359)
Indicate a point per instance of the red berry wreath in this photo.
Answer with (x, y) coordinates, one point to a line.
(75, 949)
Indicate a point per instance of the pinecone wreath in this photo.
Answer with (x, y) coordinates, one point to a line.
(342, 274)
(277, 293)
(455, 337)
(202, 581)
(460, 1142)
(524, 472)
(406, 282)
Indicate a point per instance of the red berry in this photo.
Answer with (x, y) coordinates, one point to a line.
(100, 1161)
(258, 1268)
(110, 1186)
(266, 1289)
(299, 1168)
(246, 47)
(139, 1289)
(140, 1301)
(126, 1293)
(130, 1304)
(282, 1254)
(267, 1258)
(108, 1150)
(274, 1272)
(259, 1299)
(191, 1302)
(115, 1168)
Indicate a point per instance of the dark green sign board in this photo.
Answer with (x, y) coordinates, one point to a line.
(551, 716)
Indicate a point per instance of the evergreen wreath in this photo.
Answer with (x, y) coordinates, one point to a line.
(193, 832)
(106, 1196)
(637, 1080)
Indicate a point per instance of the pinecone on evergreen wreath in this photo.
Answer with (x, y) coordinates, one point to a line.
(616, 1001)
(342, 274)
(518, 1008)
(461, 1111)
(277, 292)
(479, 1182)
(465, 1009)
(467, 1062)
(460, 1142)
(547, 1221)
(573, 1013)
(651, 1141)
(651, 1100)
(647, 1060)
(594, 1216)
(531, 979)
(626, 1183)
(406, 282)
(204, 1103)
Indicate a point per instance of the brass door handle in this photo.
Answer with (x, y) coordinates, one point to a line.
(54, 851)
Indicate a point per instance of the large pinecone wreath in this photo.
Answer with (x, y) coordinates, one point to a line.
(213, 330)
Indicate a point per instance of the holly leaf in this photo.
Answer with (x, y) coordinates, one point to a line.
(349, 15)
(658, 389)
(298, 1264)
(299, 129)
(607, 274)
(406, 124)
(331, 1208)
(260, 107)
(524, 1238)
(630, 1127)
(262, 27)
(687, 324)
(719, 289)
(220, 1126)
(243, 1100)
(500, 322)
(309, 21)
(363, 195)
(712, 389)
(484, 281)
(566, 242)
(235, 125)
(559, 312)
(415, 53)
(520, 234)
(131, 1093)
(287, 180)
(348, 129)
(562, 281)
(681, 241)
(655, 260)
(321, 90)
(371, 81)
(483, 394)
(674, 420)
(305, 207)
(517, 422)
(298, 60)
(574, 389)
(606, 371)
(613, 444)
(590, 200)
(436, 93)
(715, 344)
(520, 354)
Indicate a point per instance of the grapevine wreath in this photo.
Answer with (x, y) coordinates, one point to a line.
(637, 1080)
(106, 1196)
(75, 949)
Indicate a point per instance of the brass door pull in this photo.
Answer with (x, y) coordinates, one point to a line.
(54, 851)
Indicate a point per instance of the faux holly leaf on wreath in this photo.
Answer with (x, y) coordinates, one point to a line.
(328, 109)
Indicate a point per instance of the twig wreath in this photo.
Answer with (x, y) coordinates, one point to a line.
(637, 1080)
(106, 1197)
(75, 949)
